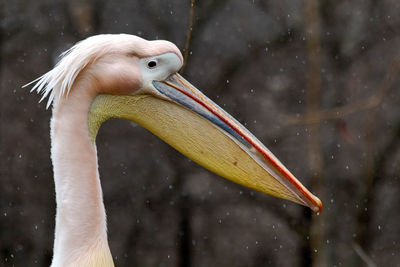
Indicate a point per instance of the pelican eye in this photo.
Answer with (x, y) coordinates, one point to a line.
(152, 64)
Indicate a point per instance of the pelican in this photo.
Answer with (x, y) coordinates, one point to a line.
(127, 77)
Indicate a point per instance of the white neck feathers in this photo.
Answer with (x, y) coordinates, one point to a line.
(81, 233)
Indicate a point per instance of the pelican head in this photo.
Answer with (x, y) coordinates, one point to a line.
(127, 77)
(135, 79)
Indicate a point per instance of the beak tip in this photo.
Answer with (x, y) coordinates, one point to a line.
(317, 205)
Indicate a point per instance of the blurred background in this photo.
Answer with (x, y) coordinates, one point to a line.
(316, 81)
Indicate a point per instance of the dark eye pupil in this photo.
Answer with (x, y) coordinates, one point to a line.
(151, 64)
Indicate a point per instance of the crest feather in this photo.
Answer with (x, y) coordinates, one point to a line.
(58, 82)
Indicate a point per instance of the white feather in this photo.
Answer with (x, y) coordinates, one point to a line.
(57, 83)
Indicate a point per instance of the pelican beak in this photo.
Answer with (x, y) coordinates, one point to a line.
(198, 128)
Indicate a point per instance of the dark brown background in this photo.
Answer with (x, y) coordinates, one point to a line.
(268, 63)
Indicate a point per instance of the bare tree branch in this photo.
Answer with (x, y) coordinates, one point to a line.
(369, 103)
(313, 31)
(188, 35)
(363, 255)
